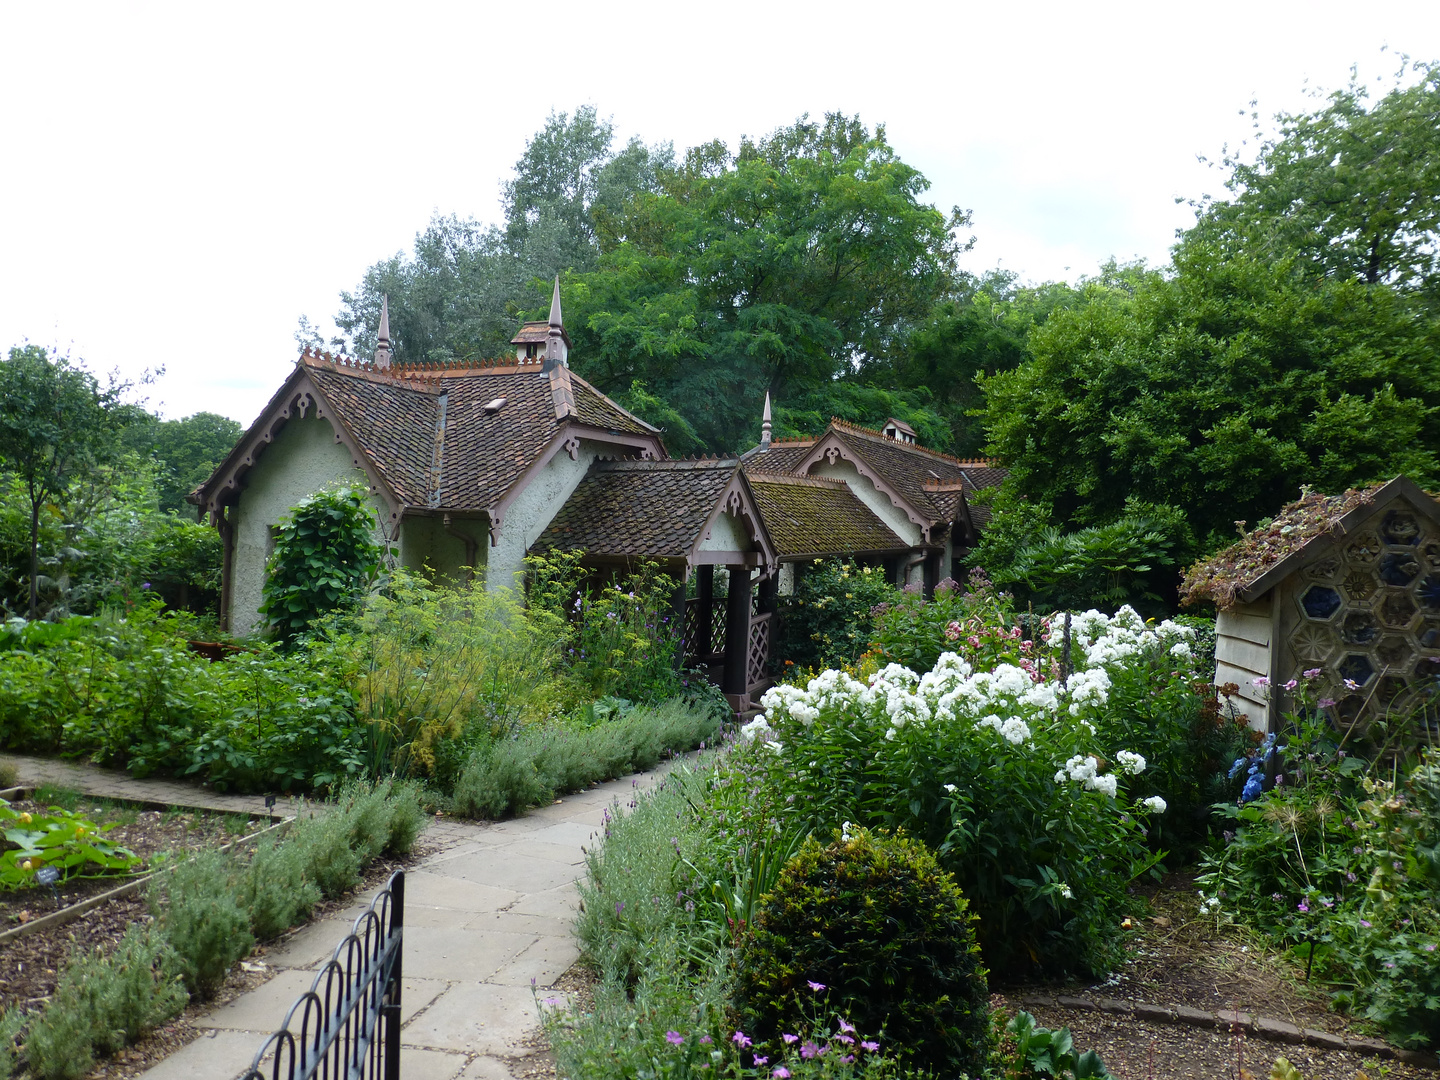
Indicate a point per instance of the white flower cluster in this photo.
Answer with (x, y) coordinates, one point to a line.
(1107, 640)
(1085, 769)
(1134, 764)
(1156, 805)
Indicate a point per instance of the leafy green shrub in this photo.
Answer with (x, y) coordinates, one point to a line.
(9, 774)
(501, 779)
(874, 921)
(276, 889)
(1030, 1052)
(384, 817)
(829, 620)
(325, 842)
(199, 909)
(62, 840)
(326, 556)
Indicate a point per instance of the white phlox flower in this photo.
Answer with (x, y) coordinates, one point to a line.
(950, 789)
(1134, 764)
(1066, 891)
(775, 746)
(1155, 804)
(1107, 784)
(1081, 767)
(1015, 730)
(1181, 650)
(992, 721)
(756, 729)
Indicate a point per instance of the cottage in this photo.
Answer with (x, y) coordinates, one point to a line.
(471, 466)
(1347, 584)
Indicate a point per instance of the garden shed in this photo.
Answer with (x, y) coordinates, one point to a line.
(1346, 587)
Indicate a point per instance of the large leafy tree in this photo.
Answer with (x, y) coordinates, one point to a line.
(186, 451)
(795, 261)
(458, 294)
(1219, 389)
(1350, 191)
(56, 422)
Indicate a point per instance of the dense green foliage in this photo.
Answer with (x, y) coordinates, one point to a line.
(1338, 860)
(876, 922)
(184, 451)
(326, 555)
(65, 841)
(828, 620)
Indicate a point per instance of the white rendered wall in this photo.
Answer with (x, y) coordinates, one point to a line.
(786, 585)
(727, 534)
(426, 547)
(872, 497)
(303, 459)
(530, 513)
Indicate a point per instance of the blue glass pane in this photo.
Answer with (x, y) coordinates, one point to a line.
(1429, 593)
(1399, 568)
(1357, 669)
(1430, 634)
(1320, 601)
(1401, 527)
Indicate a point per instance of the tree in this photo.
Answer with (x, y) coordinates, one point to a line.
(56, 421)
(458, 295)
(795, 261)
(1219, 389)
(187, 451)
(1350, 191)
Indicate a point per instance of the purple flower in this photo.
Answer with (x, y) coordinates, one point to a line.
(1302, 907)
(1262, 681)
(1326, 703)
(1311, 673)
(790, 1039)
(848, 1058)
(845, 1025)
(619, 907)
(705, 1040)
(846, 1039)
(1292, 684)
(741, 1039)
(870, 1044)
(674, 1038)
(1430, 947)
(1365, 923)
(808, 1050)
(781, 1071)
(817, 987)
(761, 1059)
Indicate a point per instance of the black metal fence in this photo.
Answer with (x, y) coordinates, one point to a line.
(347, 1025)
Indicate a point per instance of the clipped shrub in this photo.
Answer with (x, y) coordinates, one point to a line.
(324, 845)
(501, 779)
(199, 909)
(58, 1045)
(276, 890)
(384, 817)
(886, 934)
(9, 775)
(407, 816)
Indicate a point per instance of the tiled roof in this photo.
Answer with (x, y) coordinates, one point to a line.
(531, 331)
(651, 508)
(780, 456)
(817, 516)
(395, 417)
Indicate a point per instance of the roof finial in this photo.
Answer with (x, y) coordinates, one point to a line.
(765, 424)
(382, 347)
(557, 345)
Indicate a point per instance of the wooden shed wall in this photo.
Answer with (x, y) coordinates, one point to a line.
(1243, 653)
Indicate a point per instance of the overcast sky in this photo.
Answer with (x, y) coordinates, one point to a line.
(181, 182)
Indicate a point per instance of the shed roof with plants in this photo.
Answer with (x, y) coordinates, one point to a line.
(811, 516)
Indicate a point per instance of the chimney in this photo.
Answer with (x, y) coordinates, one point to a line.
(765, 425)
(382, 347)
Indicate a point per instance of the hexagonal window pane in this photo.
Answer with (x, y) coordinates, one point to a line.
(1364, 549)
(1428, 667)
(1360, 585)
(1389, 688)
(1429, 634)
(1348, 708)
(1394, 652)
(1320, 602)
(1397, 610)
(1401, 527)
(1429, 593)
(1313, 644)
(1356, 668)
(1399, 568)
(1359, 628)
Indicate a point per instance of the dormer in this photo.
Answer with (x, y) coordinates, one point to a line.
(530, 341)
(898, 430)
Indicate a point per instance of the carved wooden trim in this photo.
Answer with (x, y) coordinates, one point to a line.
(832, 448)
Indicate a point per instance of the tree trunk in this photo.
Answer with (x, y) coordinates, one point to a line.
(34, 556)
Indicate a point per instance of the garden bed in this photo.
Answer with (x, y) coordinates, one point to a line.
(29, 963)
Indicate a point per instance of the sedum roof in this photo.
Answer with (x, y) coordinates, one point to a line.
(818, 516)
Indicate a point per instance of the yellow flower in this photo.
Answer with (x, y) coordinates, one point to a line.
(25, 819)
(27, 865)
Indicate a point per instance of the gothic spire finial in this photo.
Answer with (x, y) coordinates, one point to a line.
(382, 347)
(557, 345)
(765, 424)
(555, 304)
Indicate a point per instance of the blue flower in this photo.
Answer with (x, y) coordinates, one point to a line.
(1239, 763)
(1252, 789)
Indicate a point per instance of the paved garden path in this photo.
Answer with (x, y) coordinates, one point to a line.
(487, 911)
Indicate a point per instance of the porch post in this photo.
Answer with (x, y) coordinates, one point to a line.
(677, 621)
(737, 631)
(705, 600)
(932, 573)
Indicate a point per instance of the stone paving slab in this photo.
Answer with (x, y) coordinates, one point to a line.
(518, 871)
(478, 1017)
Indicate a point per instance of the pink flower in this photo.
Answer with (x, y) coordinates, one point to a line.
(1302, 907)
(1261, 681)
(674, 1038)
(1292, 684)
(761, 1059)
(817, 987)
(740, 1039)
(808, 1050)
(790, 1039)
(705, 1040)
(870, 1044)
(846, 1039)
(1326, 703)
(845, 1025)
(781, 1071)
(1311, 673)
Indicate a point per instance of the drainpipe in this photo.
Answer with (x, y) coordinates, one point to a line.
(471, 546)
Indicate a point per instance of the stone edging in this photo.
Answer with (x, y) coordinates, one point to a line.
(1232, 1021)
